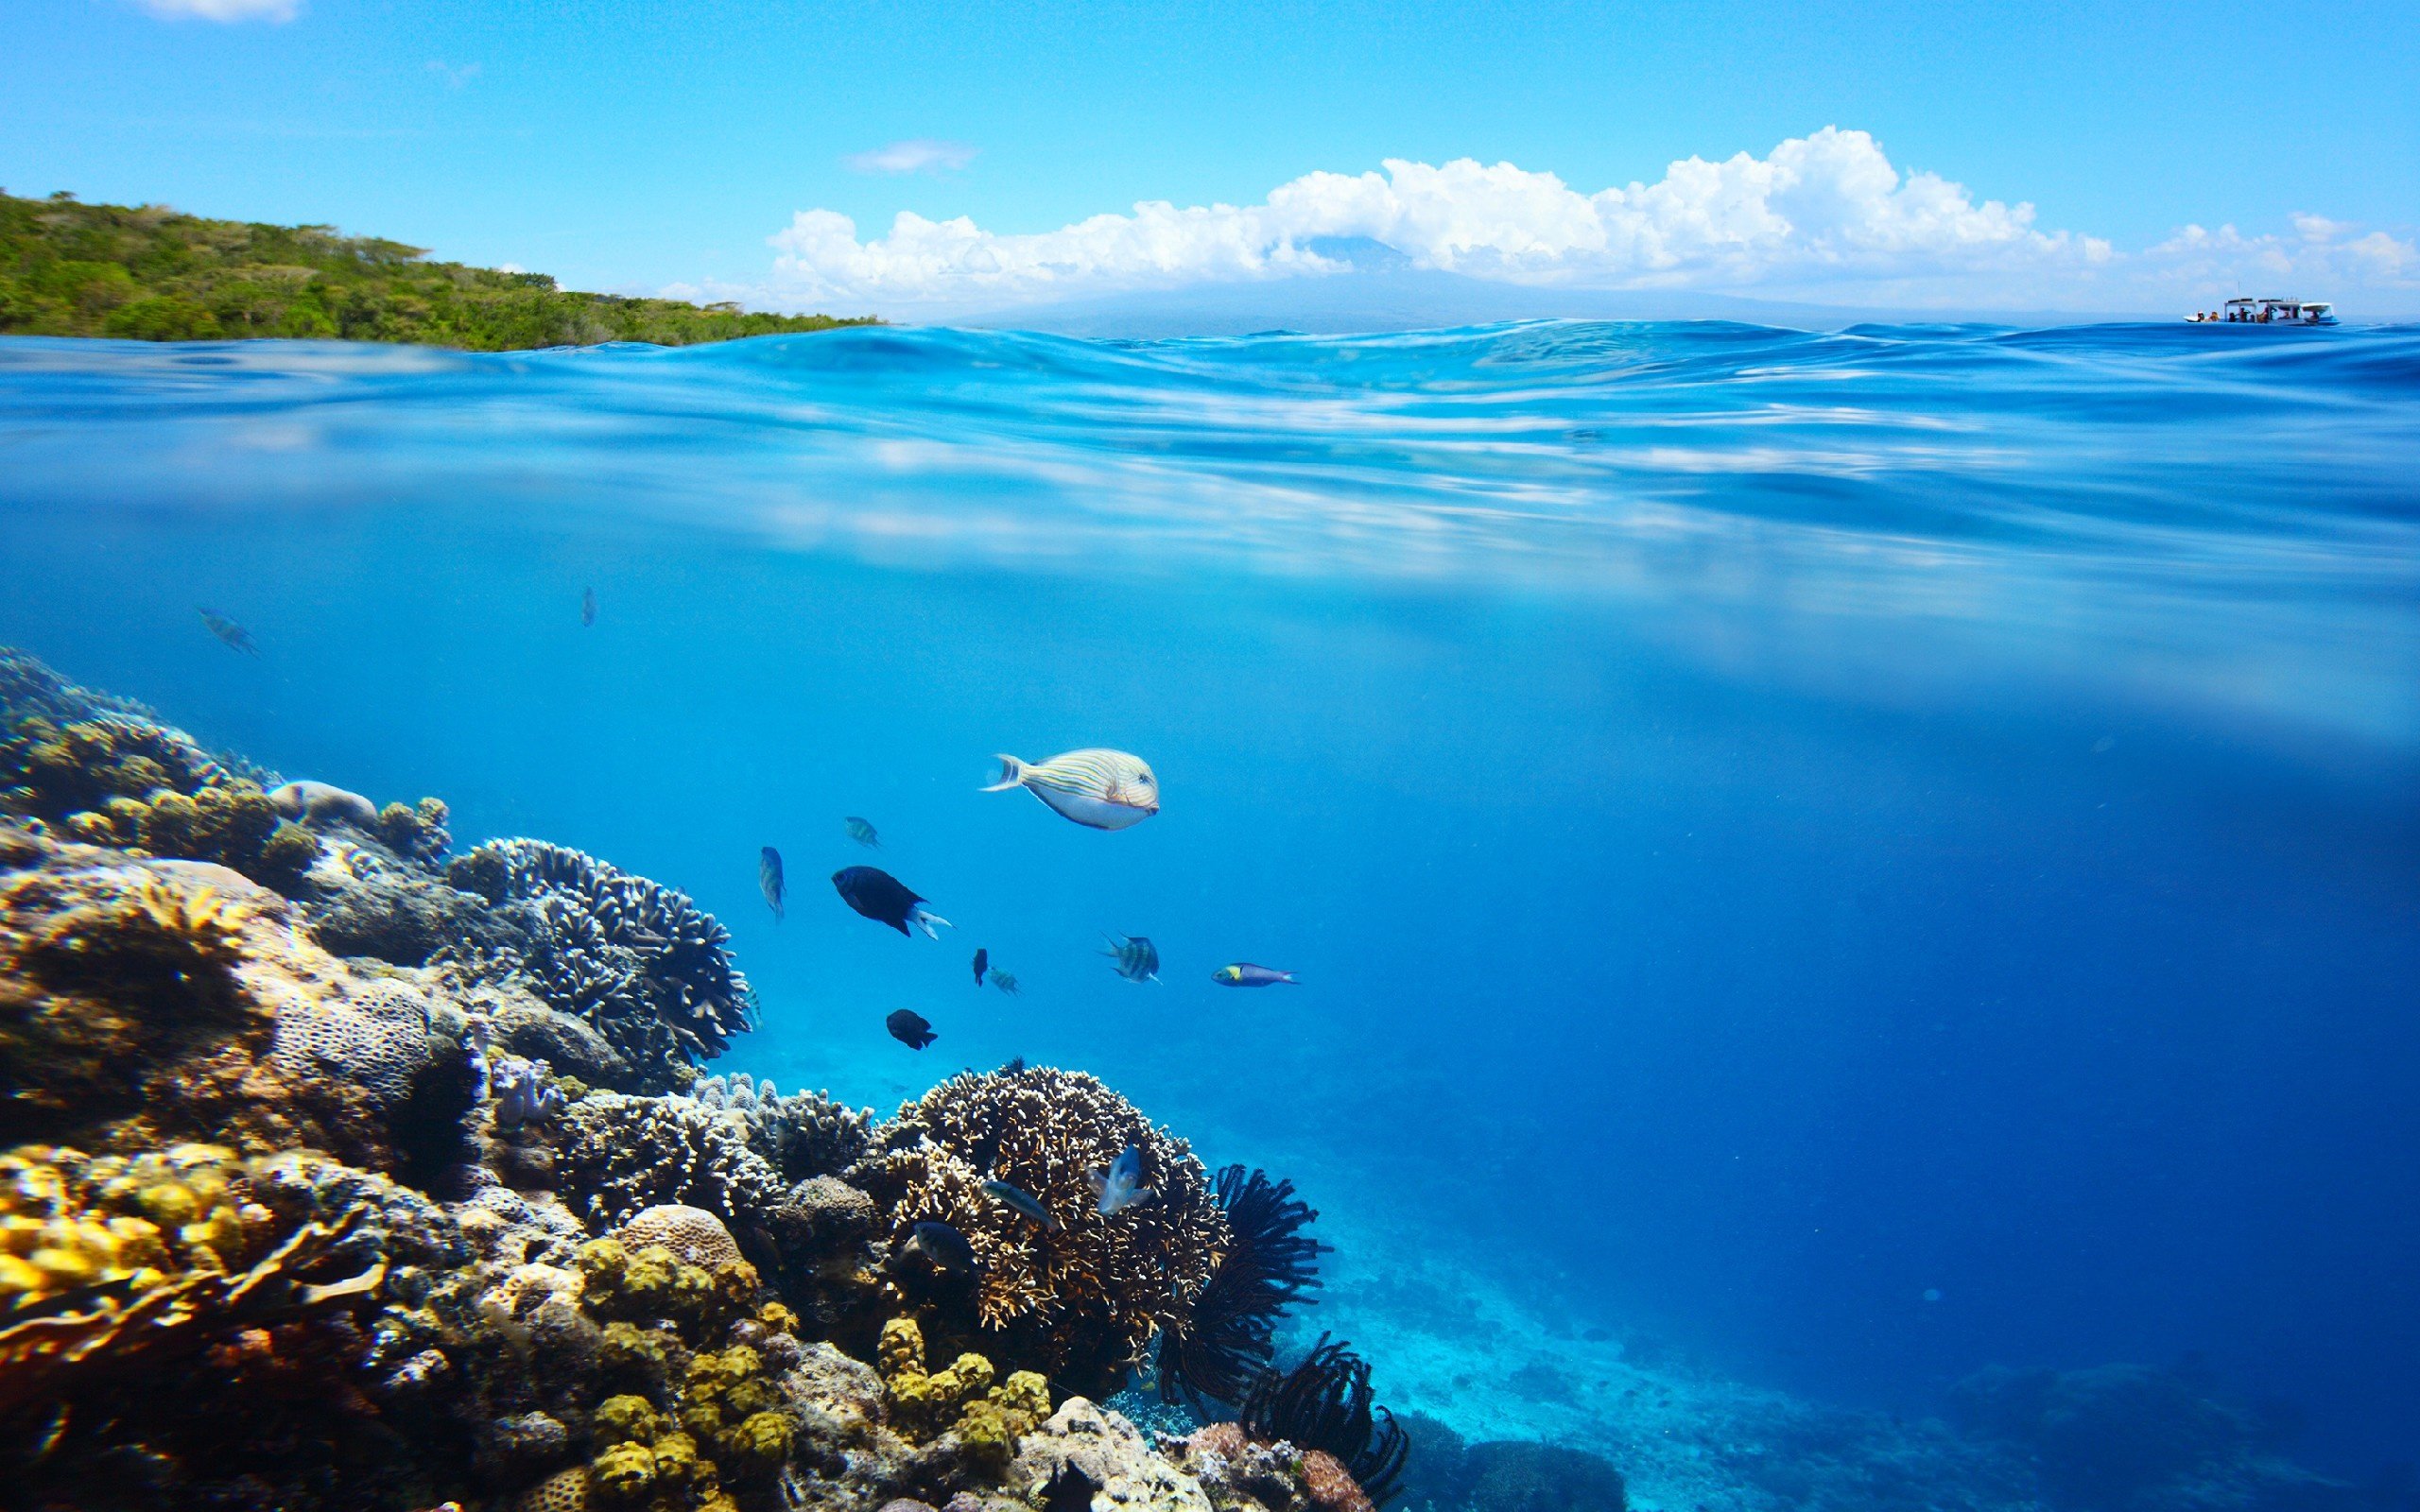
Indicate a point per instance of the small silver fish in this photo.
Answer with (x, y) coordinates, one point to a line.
(1121, 1186)
(1024, 1202)
(1103, 789)
(1137, 958)
(769, 878)
(232, 634)
(862, 833)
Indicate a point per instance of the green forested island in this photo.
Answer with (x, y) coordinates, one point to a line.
(155, 274)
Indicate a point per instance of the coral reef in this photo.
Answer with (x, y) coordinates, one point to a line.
(641, 963)
(1504, 1475)
(1215, 1352)
(623, 1153)
(2135, 1439)
(146, 1002)
(1325, 1403)
(1083, 1301)
(805, 1134)
(1109, 1453)
(233, 1289)
(394, 1182)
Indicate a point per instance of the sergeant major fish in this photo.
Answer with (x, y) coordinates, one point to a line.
(862, 831)
(768, 879)
(588, 606)
(886, 899)
(1005, 982)
(1120, 1187)
(1243, 973)
(1024, 1202)
(1103, 789)
(1137, 958)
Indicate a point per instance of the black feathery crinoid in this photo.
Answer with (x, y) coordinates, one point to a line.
(1224, 1345)
(1325, 1403)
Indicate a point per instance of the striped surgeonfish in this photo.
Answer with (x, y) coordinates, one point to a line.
(1103, 789)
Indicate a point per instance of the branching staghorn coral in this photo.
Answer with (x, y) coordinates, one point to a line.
(641, 963)
(1081, 1302)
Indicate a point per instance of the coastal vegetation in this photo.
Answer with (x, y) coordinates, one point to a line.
(150, 273)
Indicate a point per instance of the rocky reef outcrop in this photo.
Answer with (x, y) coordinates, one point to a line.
(339, 1172)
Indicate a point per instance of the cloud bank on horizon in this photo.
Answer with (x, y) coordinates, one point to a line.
(917, 155)
(269, 10)
(1824, 216)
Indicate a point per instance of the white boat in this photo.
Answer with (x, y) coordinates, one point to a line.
(2245, 311)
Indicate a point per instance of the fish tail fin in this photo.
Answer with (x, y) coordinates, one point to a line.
(1011, 774)
(1289, 978)
(926, 918)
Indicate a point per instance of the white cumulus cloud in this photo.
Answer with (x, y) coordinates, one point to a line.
(916, 155)
(1829, 205)
(274, 10)
(1825, 215)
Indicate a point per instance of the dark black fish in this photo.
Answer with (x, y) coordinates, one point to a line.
(234, 635)
(1070, 1490)
(588, 606)
(982, 964)
(943, 1248)
(769, 878)
(886, 899)
(910, 1028)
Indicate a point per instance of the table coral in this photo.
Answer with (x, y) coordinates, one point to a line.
(1082, 1302)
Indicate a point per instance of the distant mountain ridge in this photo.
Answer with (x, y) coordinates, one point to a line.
(1383, 292)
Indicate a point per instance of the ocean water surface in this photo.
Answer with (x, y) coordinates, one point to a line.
(1829, 861)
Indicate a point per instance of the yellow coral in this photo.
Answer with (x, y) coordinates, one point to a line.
(623, 1472)
(627, 1420)
(777, 1318)
(962, 1396)
(69, 1220)
(761, 1441)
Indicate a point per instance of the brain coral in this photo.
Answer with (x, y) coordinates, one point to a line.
(650, 969)
(376, 1039)
(694, 1235)
(1081, 1302)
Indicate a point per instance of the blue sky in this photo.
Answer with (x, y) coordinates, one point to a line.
(718, 147)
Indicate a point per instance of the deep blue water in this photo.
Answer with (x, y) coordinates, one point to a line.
(1769, 824)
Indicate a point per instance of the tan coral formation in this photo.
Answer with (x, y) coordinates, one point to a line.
(145, 1002)
(1082, 1302)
